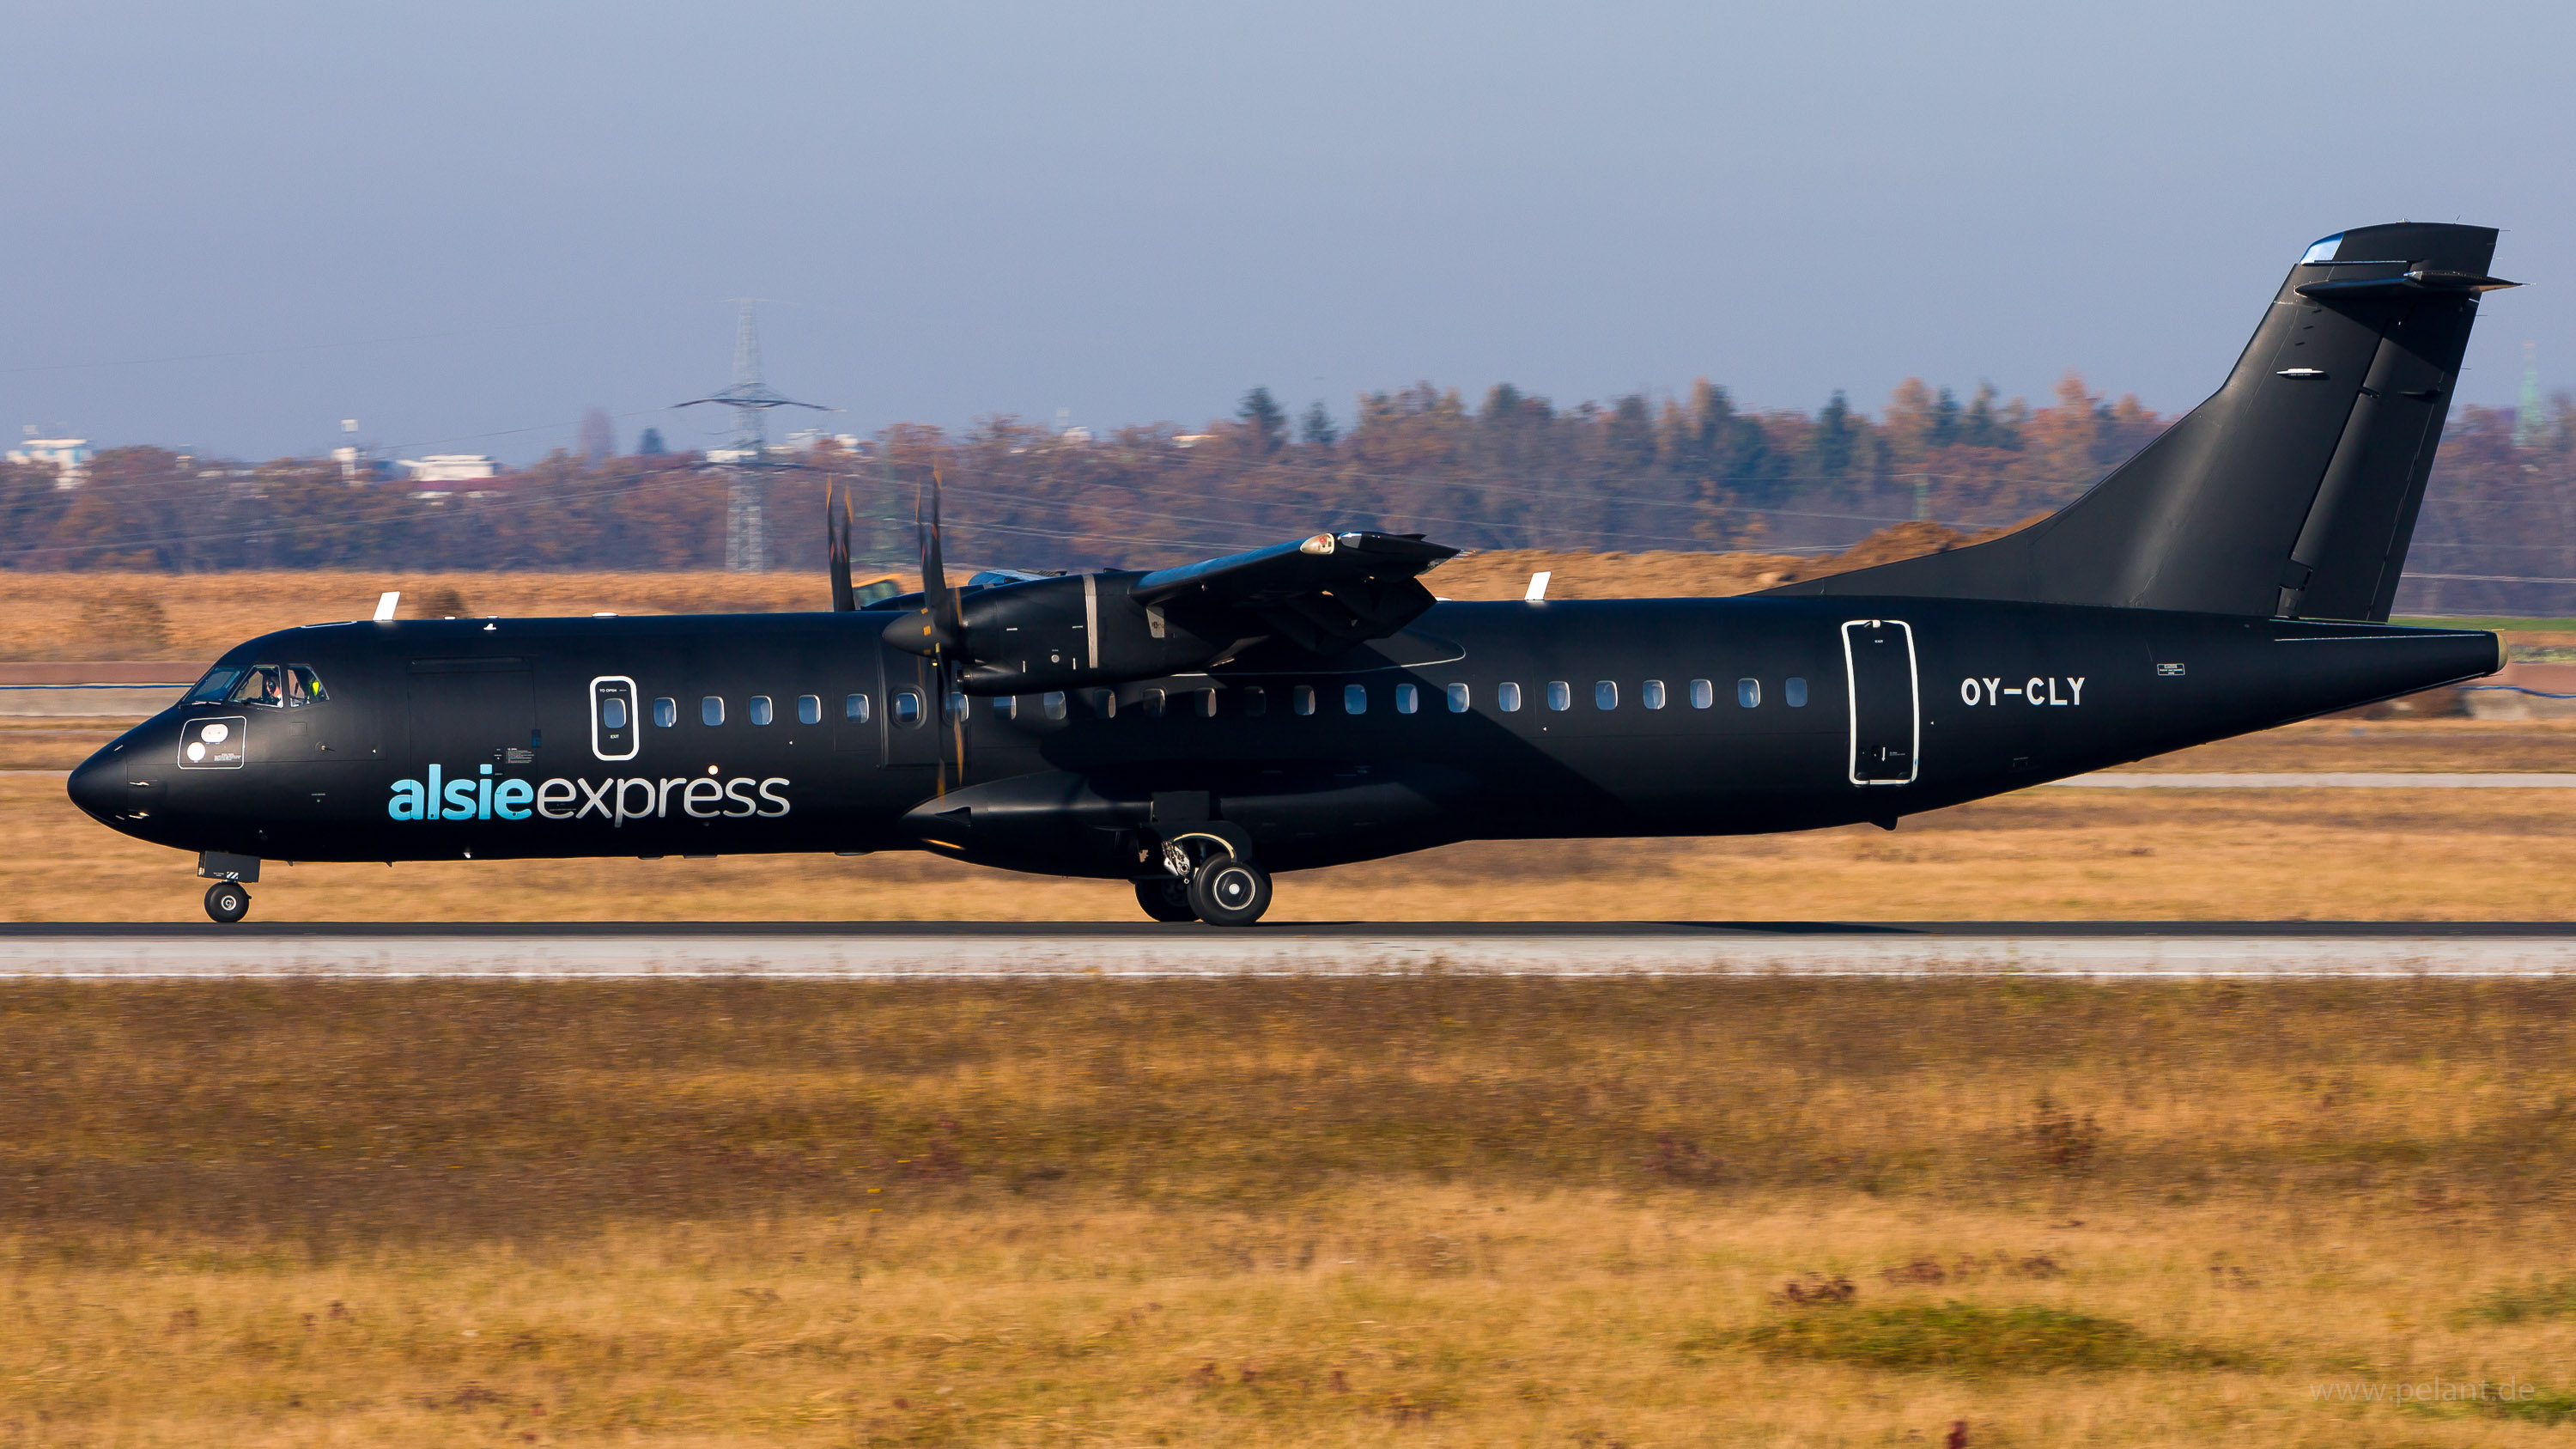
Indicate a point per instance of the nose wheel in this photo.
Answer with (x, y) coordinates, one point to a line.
(227, 902)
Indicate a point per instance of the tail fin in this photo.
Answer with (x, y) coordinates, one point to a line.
(2292, 491)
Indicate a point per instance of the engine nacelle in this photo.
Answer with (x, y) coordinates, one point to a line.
(1074, 632)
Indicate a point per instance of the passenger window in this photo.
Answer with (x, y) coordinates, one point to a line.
(1354, 699)
(1153, 702)
(1007, 707)
(1051, 704)
(1605, 694)
(1748, 693)
(1103, 702)
(214, 687)
(1703, 694)
(1302, 699)
(260, 685)
(1507, 697)
(612, 714)
(854, 708)
(1560, 695)
(666, 712)
(809, 709)
(303, 686)
(955, 704)
(1793, 692)
(1457, 699)
(1651, 694)
(1256, 700)
(907, 708)
(1407, 699)
(760, 709)
(711, 710)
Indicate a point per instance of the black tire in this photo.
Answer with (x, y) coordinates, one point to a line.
(227, 902)
(1228, 891)
(1167, 899)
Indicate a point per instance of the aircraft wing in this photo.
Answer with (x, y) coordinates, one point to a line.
(1323, 593)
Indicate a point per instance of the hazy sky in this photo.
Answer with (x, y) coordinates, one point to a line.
(461, 223)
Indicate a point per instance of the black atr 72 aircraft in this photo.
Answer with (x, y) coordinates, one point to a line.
(1194, 729)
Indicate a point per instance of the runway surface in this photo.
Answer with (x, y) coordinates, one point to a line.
(1004, 950)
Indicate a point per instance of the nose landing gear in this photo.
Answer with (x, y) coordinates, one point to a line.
(227, 902)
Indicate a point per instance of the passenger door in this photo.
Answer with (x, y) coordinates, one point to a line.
(616, 730)
(1886, 711)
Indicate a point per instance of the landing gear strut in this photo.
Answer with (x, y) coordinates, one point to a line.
(227, 902)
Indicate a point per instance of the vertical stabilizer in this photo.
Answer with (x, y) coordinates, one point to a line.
(2291, 492)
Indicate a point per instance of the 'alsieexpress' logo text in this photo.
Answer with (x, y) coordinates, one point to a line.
(482, 797)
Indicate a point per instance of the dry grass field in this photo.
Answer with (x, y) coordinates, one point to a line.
(194, 618)
(1433, 1210)
(1436, 1210)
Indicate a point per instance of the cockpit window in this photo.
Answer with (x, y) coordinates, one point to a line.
(2324, 251)
(276, 686)
(212, 689)
(259, 685)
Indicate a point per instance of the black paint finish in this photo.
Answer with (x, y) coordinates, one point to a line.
(2005, 696)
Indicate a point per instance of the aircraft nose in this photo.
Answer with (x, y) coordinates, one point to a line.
(99, 788)
(96, 788)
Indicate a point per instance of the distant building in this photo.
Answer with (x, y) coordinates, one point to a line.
(806, 440)
(69, 457)
(357, 466)
(450, 467)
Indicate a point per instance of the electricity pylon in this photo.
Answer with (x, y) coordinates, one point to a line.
(746, 541)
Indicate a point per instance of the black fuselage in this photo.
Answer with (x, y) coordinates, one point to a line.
(505, 738)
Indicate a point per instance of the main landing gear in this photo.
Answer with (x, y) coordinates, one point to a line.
(1205, 880)
(227, 902)
(1166, 898)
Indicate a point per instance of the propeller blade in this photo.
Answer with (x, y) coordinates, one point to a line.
(929, 631)
(936, 595)
(836, 524)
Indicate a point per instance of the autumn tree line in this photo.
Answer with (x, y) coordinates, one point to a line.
(1508, 470)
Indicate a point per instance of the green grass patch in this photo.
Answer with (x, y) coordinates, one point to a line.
(2538, 1299)
(2551, 1406)
(1968, 1338)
